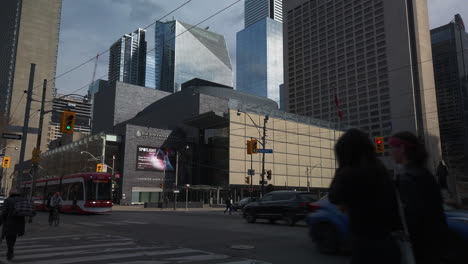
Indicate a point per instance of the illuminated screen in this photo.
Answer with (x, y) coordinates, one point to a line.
(154, 159)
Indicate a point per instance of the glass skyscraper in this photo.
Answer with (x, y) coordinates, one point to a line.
(260, 50)
(181, 57)
(450, 58)
(127, 59)
(150, 79)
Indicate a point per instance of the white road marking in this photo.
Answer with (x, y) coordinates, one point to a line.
(135, 222)
(21, 240)
(55, 248)
(197, 258)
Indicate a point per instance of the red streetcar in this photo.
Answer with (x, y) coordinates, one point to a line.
(81, 192)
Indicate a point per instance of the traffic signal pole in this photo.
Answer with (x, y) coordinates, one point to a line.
(265, 120)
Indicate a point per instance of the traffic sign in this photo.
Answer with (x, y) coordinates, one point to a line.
(265, 151)
(251, 172)
(11, 136)
(176, 191)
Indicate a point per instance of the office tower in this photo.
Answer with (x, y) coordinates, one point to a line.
(150, 79)
(29, 33)
(184, 52)
(127, 59)
(80, 105)
(256, 10)
(373, 57)
(259, 61)
(450, 53)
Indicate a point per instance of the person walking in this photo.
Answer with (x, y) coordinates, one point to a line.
(228, 205)
(13, 225)
(54, 204)
(421, 197)
(363, 189)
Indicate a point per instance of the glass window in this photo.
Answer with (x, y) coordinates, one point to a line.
(283, 196)
(267, 198)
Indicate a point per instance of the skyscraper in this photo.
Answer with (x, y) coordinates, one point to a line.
(127, 59)
(184, 52)
(260, 50)
(150, 79)
(256, 10)
(450, 53)
(29, 33)
(371, 60)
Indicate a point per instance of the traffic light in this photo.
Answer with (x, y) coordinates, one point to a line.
(379, 144)
(6, 162)
(161, 185)
(99, 167)
(36, 156)
(249, 147)
(269, 175)
(254, 146)
(247, 179)
(67, 123)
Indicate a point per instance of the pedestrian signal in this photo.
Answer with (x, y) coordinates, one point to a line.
(6, 162)
(254, 146)
(379, 144)
(247, 179)
(36, 156)
(67, 123)
(99, 167)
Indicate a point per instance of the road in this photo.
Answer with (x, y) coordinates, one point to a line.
(143, 237)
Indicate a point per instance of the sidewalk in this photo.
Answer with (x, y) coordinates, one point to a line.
(140, 208)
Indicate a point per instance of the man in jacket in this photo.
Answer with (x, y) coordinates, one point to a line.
(13, 226)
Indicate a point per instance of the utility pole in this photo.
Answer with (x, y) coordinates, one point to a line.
(35, 173)
(265, 120)
(176, 180)
(26, 121)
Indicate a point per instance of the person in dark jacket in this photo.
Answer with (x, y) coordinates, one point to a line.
(13, 226)
(421, 197)
(228, 205)
(363, 189)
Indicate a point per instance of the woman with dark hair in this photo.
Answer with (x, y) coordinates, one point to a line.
(421, 197)
(363, 189)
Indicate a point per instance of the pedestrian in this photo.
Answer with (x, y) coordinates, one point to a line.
(13, 225)
(166, 202)
(421, 197)
(228, 205)
(363, 189)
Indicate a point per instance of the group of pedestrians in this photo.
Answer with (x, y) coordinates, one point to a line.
(380, 205)
(15, 210)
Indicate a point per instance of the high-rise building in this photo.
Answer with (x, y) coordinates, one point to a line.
(150, 79)
(371, 60)
(29, 33)
(259, 64)
(256, 10)
(185, 52)
(81, 106)
(450, 53)
(127, 59)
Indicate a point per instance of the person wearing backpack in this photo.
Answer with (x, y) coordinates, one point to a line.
(13, 221)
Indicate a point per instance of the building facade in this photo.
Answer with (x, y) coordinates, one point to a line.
(81, 106)
(184, 52)
(150, 79)
(127, 59)
(450, 53)
(256, 10)
(29, 33)
(369, 60)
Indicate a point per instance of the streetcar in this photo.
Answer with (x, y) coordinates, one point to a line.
(87, 193)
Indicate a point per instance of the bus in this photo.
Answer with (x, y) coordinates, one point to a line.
(87, 193)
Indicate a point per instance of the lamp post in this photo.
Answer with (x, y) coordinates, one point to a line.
(263, 143)
(177, 176)
(308, 182)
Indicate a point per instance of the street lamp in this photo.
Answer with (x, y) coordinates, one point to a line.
(177, 176)
(308, 182)
(263, 143)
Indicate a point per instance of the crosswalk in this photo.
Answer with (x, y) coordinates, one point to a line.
(99, 248)
(108, 223)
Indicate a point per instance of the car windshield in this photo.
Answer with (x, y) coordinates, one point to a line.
(308, 197)
(244, 200)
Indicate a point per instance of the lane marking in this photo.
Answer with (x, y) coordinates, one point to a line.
(198, 258)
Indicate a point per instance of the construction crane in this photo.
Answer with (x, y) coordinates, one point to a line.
(95, 68)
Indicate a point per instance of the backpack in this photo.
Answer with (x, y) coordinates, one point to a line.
(23, 208)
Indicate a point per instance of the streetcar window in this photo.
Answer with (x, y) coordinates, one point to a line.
(99, 190)
(75, 192)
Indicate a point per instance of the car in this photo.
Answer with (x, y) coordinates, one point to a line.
(243, 202)
(329, 227)
(290, 206)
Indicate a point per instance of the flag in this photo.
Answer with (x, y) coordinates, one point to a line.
(337, 104)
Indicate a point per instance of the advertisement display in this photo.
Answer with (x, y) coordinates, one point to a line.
(154, 159)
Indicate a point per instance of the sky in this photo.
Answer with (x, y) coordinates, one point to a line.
(89, 27)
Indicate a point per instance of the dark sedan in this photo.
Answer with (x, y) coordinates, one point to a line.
(290, 206)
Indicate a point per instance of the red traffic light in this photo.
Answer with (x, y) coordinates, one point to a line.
(379, 141)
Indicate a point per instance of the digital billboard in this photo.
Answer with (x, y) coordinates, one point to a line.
(154, 159)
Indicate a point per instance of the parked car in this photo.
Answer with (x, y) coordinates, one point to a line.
(290, 206)
(243, 202)
(329, 227)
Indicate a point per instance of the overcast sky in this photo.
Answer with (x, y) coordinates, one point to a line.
(89, 27)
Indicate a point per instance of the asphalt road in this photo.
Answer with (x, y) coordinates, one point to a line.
(141, 237)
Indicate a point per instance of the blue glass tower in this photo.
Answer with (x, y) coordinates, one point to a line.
(260, 50)
(150, 79)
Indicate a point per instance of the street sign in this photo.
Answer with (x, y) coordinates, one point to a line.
(176, 191)
(11, 136)
(251, 172)
(265, 151)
